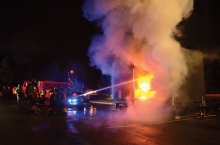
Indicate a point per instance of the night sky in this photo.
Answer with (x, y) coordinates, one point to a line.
(59, 30)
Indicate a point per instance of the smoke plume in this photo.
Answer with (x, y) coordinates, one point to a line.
(141, 33)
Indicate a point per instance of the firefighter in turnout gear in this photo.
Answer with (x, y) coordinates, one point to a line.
(32, 94)
(20, 93)
(43, 93)
(56, 101)
(53, 100)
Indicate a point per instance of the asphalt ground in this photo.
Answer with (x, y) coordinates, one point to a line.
(18, 127)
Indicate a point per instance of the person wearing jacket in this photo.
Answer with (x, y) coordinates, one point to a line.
(32, 92)
(20, 93)
(43, 93)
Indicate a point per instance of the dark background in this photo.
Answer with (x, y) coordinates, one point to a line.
(45, 39)
(37, 36)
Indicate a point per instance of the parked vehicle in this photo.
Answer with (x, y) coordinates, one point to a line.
(75, 99)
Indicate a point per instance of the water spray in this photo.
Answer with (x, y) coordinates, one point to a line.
(98, 90)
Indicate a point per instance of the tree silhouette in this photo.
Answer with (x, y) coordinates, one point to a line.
(6, 75)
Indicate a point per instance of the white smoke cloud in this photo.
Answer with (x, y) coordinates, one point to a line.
(140, 32)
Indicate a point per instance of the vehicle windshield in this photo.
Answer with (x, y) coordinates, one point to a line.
(73, 93)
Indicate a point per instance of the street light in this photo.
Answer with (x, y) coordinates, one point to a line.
(70, 72)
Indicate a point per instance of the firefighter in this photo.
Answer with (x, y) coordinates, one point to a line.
(32, 93)
(5, 92)
(43, 93)
(52, 101)
(56, 99)
(20, 93)
(61, 108)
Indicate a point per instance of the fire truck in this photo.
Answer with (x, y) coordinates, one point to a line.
(48, 85)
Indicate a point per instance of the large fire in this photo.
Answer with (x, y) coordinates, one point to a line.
(143, 90)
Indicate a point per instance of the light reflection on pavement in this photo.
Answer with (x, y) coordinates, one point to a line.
(96, 125)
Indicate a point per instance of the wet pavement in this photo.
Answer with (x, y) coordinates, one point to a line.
(94, 125)
(17, 127)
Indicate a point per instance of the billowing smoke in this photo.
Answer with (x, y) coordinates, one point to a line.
(140, 33)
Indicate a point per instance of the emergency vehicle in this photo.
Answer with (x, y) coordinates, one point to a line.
(48, 85)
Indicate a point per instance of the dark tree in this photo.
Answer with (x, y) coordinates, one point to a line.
(6, 75)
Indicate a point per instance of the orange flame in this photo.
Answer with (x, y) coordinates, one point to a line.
(143, 91)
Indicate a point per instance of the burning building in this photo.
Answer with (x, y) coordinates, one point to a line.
(190, 93)
(141, 34)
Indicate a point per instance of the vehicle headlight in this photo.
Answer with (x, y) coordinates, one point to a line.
(72, 101)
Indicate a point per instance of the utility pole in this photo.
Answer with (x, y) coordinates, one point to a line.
(113, 81)
(133, 82)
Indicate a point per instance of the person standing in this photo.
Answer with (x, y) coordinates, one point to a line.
(5, 93)
(43, 93)
(32, 92)
(20, 93)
